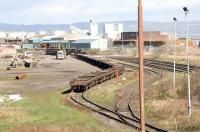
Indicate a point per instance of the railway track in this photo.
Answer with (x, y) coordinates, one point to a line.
(82, 101)
(149, 127)
(161, 65)
(109, 71)
(114, 115)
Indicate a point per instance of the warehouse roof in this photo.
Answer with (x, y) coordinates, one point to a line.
(84, 41)
(54, 41)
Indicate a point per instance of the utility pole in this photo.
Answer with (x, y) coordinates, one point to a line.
(175, 23)
(141, 64)
(150, 43)
(122, 37)
(187, 61)
(7, 39)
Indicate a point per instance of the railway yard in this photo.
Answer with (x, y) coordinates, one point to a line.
(96, 93)
(84, 66)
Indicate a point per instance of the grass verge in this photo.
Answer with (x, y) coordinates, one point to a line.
(48, 112)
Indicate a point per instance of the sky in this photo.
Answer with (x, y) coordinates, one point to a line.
(71, 11)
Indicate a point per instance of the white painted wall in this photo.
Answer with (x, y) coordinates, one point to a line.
(42, 33)
(58, 33)
(93, 28)
(15, 35)
(100, 44)
(2, 34)
(113, 30)
(30, 35)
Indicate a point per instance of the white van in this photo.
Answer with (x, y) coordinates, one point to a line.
(28, 54)
(60, 55)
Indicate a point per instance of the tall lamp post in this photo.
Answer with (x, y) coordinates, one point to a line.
(141, 64)
(122, 37)
(150, 42)
(175, 23)
(185, 9)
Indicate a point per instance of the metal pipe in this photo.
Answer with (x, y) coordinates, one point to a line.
(141, 64)
(19, 77)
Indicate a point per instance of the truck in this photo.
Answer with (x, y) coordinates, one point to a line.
(60, 55)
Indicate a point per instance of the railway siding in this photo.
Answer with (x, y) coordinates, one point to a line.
(83, 83)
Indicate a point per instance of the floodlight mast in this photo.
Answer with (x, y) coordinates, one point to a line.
(175, 42)
(185, 9)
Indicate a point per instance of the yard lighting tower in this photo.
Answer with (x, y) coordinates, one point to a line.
(175, 23)
(122, 38)
(141, 64)
(185, 9)
(150, 42)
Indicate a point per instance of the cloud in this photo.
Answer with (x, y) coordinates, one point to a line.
(68, 11)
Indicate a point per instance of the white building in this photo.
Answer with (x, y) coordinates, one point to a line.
(75, 30)
(14, 35)
(3, 35)
(42, 33)
(100, 44)
(113, 31)
(58, 33)
(93, 28)
(30, 35)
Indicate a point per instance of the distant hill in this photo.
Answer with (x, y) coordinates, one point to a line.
(194, 27)
(32, 28)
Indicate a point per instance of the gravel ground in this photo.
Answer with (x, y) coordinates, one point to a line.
(51, 74)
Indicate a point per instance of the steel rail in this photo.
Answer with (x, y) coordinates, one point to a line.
(102, 113)
(123, 116)
(159, 64)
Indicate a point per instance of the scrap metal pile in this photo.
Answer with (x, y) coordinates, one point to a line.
(21, 60)
(108, 72)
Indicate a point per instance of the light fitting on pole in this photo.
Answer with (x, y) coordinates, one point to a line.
(175, 20)
(185, 9)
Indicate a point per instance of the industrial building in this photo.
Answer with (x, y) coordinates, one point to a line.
(3, 34)
(113, 31)
(30, 43)
(153, 38)
(93, 29)
(55, 43)
(58, 33)
(10, 41)
(68, 41)
(191, 43)
(77, 38)
(46, 43)
(100, 44)
(75, 30)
